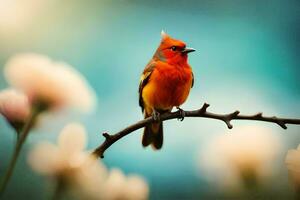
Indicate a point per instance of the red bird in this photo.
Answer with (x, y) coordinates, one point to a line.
(165, 83)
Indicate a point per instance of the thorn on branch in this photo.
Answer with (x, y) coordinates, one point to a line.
(279, 122)
(282, 124)
(204, 108)
(234, 114)
(258, 115)
(107, 136)
(227, 121)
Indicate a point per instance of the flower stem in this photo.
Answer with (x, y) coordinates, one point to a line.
(21, 139)
(58, 190)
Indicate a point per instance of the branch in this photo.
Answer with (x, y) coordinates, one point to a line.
(202, 112)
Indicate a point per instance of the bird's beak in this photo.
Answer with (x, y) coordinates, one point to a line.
(188, 50)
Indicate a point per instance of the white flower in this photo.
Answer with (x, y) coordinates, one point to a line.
(85, 177)
(118, 186)
(67, 161)
(137, 187)
(14, 106)
(49, 159)
(55, 84)
(241, 158)
(292, 162)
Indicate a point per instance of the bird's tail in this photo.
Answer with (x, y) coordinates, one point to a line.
(153, 134)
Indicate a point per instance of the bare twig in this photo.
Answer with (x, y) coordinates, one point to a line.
(202, 112)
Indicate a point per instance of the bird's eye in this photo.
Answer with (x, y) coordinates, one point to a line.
(173, 48)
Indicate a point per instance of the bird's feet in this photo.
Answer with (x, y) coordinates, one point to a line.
(156, 115)
(182, 113)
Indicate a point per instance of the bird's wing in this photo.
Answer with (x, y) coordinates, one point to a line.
(144, 80)
(193, 79)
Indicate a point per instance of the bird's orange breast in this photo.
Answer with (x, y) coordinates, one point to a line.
(168, 86)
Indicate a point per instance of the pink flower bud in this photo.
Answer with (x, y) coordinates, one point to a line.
(14, 106)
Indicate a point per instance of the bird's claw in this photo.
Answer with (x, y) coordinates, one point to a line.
(156, 116)
(182, 114)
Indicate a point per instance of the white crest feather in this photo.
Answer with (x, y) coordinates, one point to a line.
(163, 34)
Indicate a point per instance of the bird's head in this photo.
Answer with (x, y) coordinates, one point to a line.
(171, 50)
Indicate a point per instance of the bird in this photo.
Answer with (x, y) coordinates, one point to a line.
(164, 84)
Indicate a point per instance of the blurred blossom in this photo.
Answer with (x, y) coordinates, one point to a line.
(244, 157)
(14, 106)
(119, 186)
(48, 83)
(50, 159)
(81, 173)
(293, 164)
(77, 170)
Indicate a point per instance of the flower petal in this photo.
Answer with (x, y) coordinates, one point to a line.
(14, 105)
(137, 188)
(72, 139)
(45, 159)
(53, 83)
(115, 187)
